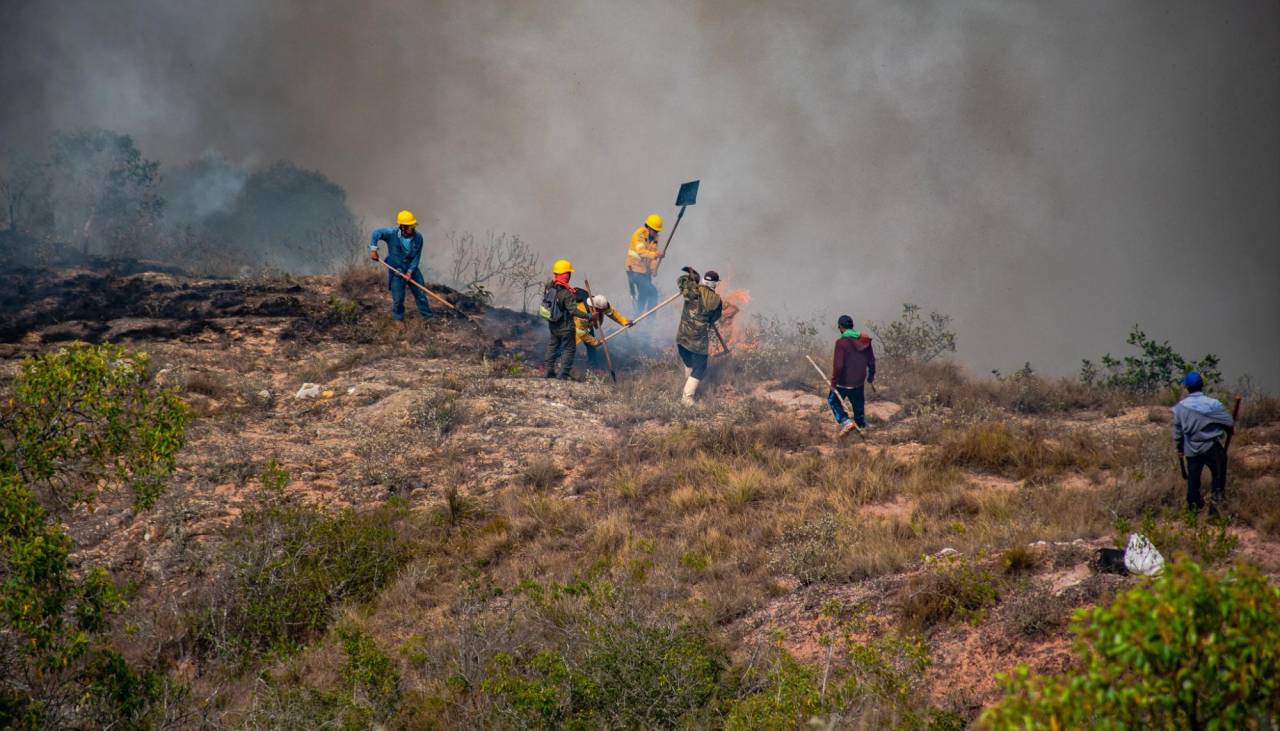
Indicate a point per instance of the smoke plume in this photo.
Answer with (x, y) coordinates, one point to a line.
(1048, 173)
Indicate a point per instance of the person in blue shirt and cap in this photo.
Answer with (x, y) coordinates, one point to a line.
(1200, 428)
(404, 251)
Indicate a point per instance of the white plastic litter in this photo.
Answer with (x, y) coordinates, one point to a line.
(308, 390)
(1142, 558)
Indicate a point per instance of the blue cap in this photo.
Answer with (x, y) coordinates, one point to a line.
(1193, 379)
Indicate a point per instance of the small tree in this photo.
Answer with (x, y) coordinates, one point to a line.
(103, 190)
(1158, 367)
(25, 191)
(1189, 650)
(75, 421)
(283, 217)
(912, 338)
(502, 260)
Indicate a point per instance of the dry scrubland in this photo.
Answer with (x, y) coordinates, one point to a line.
(451, 541)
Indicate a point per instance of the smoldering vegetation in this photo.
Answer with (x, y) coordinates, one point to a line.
(994, 160)
(91, 196)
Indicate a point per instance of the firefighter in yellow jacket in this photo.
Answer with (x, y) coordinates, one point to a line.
(642, 263)
(598, 307)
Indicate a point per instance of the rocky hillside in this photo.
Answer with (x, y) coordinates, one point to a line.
(437, 536)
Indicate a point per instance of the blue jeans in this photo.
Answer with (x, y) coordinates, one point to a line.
(643, 294)
(595, 356)
(397, 285)
(857, 398)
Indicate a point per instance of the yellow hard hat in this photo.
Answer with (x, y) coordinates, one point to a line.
(561, 266)
(653, 221)
(406, 218)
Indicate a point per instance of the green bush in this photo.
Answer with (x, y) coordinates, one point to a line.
(649, 676)
(787, 698)
(370, 676)
(911, 339)
(1158, 368)
(367, 694)
(1203, 539)
(627, 675)
(88, 415)
(1187, 650)
(341, 311)
(289, 565)
(77, 421)
(863, 683)
(536, 694)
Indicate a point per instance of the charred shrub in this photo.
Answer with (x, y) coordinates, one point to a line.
(1035, 615)
(437, 414)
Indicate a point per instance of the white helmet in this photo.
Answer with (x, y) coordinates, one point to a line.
(599, 301)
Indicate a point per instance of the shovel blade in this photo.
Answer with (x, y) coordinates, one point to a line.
(688, 194)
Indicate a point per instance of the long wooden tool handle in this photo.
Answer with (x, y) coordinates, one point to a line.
(839, 396)
(429, 293)
(825, 380)
(656, 307)
(1235, 416)
(608, 359)
(720, 337)
(667, 245)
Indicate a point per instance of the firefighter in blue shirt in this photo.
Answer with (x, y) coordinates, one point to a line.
(404, 251)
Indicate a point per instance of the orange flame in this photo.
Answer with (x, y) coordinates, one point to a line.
(733, 324)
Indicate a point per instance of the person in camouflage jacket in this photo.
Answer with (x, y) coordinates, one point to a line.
(702, 308)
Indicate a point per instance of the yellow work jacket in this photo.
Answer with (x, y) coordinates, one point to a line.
(642, 255)
(587, 327)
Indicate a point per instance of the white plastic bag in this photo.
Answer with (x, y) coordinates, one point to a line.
(1142, 558)
(308, 390)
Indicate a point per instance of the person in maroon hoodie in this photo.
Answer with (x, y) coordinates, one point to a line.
(852, 366)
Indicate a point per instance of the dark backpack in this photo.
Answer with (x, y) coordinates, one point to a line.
(551, 310)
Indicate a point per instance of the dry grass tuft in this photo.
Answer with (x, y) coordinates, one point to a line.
(1019, 560)
(1014, 451)
(1254, 501)
(952, 588)
(541, 473)
(361, 279)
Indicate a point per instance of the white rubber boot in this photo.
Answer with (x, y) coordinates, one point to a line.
(690, 389)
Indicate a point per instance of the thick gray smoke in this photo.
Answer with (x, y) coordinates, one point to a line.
(1049, 173)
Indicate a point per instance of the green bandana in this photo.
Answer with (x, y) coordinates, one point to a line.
(851, 334)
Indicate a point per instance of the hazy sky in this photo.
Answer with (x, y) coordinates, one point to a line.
(1049, 173)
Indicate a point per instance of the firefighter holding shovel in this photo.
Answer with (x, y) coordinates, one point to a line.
(404, 251)
(642, 263)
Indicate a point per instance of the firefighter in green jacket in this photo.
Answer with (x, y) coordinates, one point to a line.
(702, 308)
